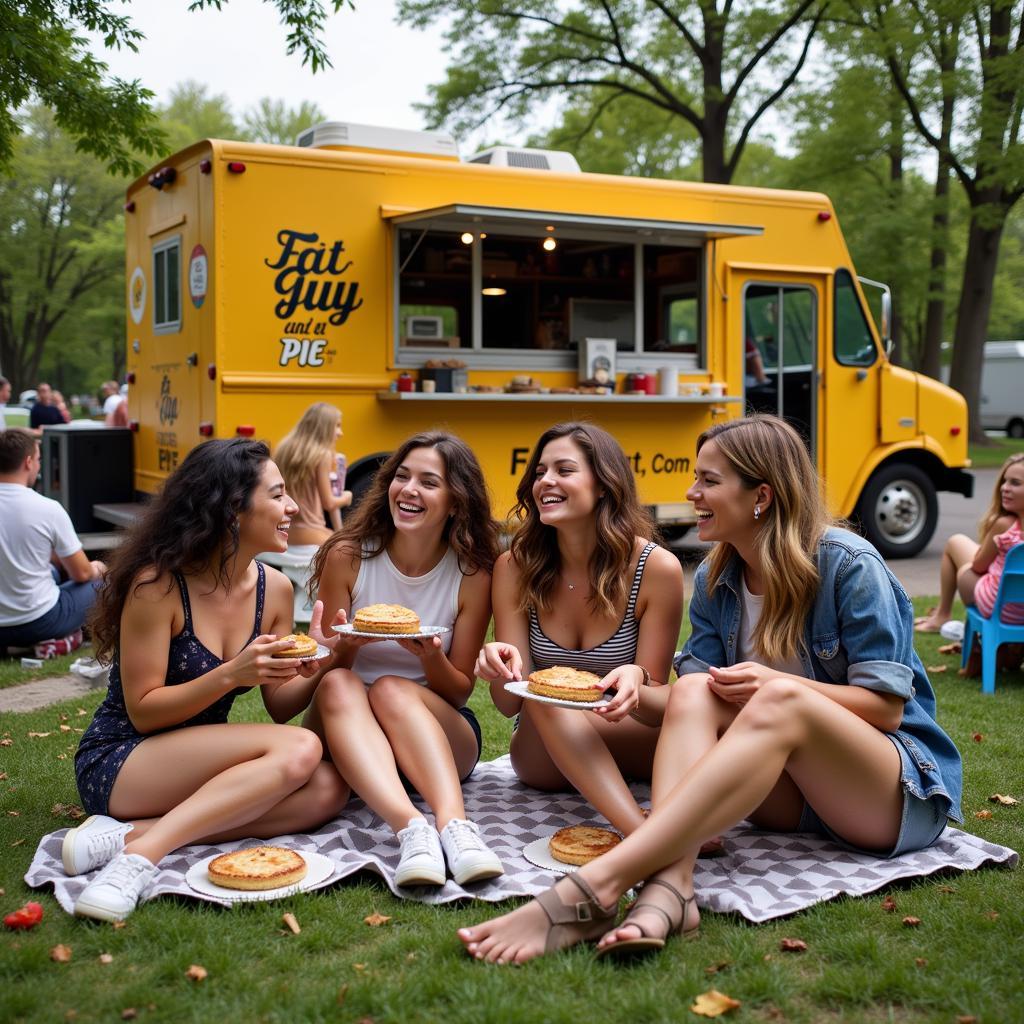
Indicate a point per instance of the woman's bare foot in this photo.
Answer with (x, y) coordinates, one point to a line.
(931, 622)
(523, 934)
(973, 667)
(644, 921)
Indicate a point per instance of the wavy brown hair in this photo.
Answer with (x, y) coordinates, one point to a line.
(766, 449)
(995, 508)
(620, 520)
(191, 525)
(470, 531)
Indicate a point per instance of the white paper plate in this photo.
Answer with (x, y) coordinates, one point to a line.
(320, 869)
(538, 854)
(321, 652)
(519, 688)
(425, 631)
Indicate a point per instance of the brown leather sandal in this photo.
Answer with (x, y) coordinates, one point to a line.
(584, 920)
(626, 948)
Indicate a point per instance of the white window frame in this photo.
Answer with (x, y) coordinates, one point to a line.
(170, 326)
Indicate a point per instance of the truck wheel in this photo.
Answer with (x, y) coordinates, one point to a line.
(1015, 428)
(359, 480)
(898, 510)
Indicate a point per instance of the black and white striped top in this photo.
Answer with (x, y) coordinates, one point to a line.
(618, 649)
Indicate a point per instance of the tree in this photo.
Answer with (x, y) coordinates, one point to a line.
(718, 68)
(192, 113)
(271, 121)
(60, 240)
(43, 56)
(985, 152)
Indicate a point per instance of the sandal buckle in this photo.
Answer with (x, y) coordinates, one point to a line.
(584, 912)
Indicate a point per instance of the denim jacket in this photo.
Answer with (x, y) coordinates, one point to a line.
(860, 632)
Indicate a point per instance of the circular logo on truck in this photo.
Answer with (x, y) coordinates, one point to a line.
(137, 294)
(198, 276)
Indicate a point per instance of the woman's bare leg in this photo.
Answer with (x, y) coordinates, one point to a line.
(216, 780)
(433, 744)
(360, 750)
(848, 770)
(957, 554)
(592, 754)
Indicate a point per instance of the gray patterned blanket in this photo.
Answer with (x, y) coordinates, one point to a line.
(763, 875)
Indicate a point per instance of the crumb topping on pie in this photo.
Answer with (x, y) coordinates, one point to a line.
(302, 646)
(386, 618)
(565, 684)
(258, 867)
(579, 844)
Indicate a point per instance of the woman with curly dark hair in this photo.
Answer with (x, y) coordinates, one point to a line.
(191, 621)
(584, 586)
(423, 537)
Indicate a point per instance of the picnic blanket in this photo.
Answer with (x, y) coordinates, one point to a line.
(764, 875)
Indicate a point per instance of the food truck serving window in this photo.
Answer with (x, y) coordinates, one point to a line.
(167, 286)
(498, 283)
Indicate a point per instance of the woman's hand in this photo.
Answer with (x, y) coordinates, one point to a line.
(338, 643)
(257, 666)
(626, 681)
(499, 663)
(740, 682)
(424, 647)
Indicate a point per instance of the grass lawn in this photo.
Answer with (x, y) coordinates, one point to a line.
(995, 453)
(11, 672)
(862, 963)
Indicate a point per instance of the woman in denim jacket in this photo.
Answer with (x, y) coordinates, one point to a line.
(800, 705)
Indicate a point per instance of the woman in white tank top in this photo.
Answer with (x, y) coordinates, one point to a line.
(423, 537)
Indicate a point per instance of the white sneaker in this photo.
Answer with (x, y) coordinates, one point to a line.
(468, 856)
(113, 894)
(98, 840)
(952, 630)
(422, 862)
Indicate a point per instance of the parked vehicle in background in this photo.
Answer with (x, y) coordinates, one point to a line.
(1002, 387)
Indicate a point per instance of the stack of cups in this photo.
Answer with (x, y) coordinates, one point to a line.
(668, 377)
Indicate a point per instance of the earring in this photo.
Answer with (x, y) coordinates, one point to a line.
(757, 511)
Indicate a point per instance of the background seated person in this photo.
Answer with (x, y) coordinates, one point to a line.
(44, 412)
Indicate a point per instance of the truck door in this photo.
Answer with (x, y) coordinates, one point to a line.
(780, 338)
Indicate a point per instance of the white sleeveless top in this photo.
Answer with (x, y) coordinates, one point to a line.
(752, 605)
(434, 597)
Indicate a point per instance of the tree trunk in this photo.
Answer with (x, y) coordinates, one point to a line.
(975, 305)
(895, 152)
(935, 315)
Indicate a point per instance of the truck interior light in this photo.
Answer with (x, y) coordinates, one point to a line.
(205, 166)
(550, 227)
(495, 291)
(211, 371)
(467, 238)
(236, 167)
(824, 215)
(129, 377)
(549, 244)
(483, 235)
(245, 430)
(206, 428)
(129, 207)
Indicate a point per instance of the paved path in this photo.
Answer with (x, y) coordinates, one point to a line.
(920, 576)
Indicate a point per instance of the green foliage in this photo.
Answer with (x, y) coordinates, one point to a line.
(272, 121)
(44, 58)
(192, 113)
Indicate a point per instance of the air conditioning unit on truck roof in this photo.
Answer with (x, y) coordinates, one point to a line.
(534, 159)
(343, 134)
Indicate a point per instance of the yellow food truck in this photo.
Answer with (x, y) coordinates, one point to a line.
(376, 270)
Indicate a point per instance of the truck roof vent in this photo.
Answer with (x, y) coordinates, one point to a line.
(346, 135)
(534, 159)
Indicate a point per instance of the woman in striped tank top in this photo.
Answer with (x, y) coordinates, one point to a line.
(584, 586)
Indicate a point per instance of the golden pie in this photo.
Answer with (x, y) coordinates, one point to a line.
(565, 684)
(386, 618)
(302, 646)
(257, 867)
(579, 844)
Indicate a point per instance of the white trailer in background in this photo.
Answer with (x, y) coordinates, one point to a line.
(1002, 387)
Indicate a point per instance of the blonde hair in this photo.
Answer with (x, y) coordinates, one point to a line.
(307, 445)
(995, 508)
(764, 449)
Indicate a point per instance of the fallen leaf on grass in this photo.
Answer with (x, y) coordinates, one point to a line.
(291, 923)
(17, 842)
(6, 742)
(196, 973)
(72, 811)
(38, 735)
(342, 993)
(359, 967)
(375, 920)
(714, 1003)
(720, 966)
(934, 670)
(978, 737)
(920, 961)
(130, 1013)
(992, 915)
(3, 775)
(119, 924)
(71, 1015)
(105, 958)
(889, 905)
(14, 814)
(983, 815)
(1006, 801)
(967, 1018)
(953, 648)
(80, 712)
(793, 946)
(945, 888)
(61, 954)
(910, 922)
(65, 728)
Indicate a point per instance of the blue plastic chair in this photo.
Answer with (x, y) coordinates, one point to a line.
(992, 631)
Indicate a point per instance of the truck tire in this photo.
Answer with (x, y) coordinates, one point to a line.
(360, 478)
(1015, 428)
(898, 510)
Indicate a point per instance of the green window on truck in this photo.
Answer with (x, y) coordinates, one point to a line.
(853, 343)
(167, 286)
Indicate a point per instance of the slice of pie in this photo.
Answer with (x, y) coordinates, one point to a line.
(579, 844)
(566, 684)
(386, 618)
(258, 867)
(302, 646)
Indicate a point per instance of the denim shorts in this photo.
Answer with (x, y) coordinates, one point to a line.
(468, 715)
(922, 822)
